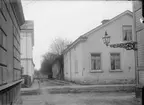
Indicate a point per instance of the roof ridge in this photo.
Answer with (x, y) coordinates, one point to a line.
(110, 20)
(98, 27)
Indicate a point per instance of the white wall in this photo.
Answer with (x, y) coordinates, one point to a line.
(27, 52)
(94, 44)
(26, 45)
(69, 63)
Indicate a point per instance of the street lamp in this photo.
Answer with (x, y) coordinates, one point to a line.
(131, 45)
(106, 39)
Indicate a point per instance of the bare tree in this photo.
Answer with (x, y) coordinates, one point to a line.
(46, 65)
(59, 45)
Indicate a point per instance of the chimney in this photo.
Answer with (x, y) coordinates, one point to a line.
(104, 21)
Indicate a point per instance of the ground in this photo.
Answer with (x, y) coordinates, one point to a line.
(42, 96)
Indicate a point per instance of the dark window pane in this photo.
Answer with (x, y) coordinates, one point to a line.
(115, 61)
(95, 61)
(127, 33)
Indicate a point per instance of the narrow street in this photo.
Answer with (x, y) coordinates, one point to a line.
(34, 96)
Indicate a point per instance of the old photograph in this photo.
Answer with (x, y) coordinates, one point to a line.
(71, 52)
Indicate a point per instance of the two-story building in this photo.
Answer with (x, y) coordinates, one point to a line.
(87, 60)
(11, 19)
(27, 43)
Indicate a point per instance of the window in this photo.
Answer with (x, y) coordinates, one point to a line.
(4, 43)
(3, 40)
(1, 34)
(1, 71)
(5, 72)
(75, 60)
(4, 102)
(0, 5)
(76, 66)
(95, 61)
(127, 33)
(115, 61)
(66, 63)
(3, 9)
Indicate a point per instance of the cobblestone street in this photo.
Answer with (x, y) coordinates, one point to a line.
(95, 98)
(81, 99)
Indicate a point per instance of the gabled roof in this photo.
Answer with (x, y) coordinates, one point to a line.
(85, 36)
(81, 38)
(110, 21)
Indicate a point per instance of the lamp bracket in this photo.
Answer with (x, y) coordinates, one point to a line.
(128, 45)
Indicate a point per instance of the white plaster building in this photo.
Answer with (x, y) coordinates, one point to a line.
(27, 43)
(88, 60)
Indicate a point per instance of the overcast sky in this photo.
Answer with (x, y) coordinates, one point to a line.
(67, 19)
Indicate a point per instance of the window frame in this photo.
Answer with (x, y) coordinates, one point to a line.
(116, 70)
(1, 75)
(123, 33)
(66, 62)
(2, 44)
(75, 61)
(100, 70)
(3, 9)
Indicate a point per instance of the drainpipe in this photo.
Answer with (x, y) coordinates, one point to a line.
(26, 55)
(135, 51)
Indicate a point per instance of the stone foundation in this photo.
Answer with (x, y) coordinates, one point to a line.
(105, 82)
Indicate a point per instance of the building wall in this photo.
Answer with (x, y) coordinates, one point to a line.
(29, 68)
(139, 37)
(10, 69)
(27, 43)
(73, 71)
(94, 44)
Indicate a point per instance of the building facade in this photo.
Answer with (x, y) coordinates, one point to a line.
(89, 61)
(11, 18)
(27, 43)
(139, 38)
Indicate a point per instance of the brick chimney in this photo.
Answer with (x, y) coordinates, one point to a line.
(104, 21)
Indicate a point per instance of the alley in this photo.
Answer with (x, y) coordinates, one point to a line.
(90, 98)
